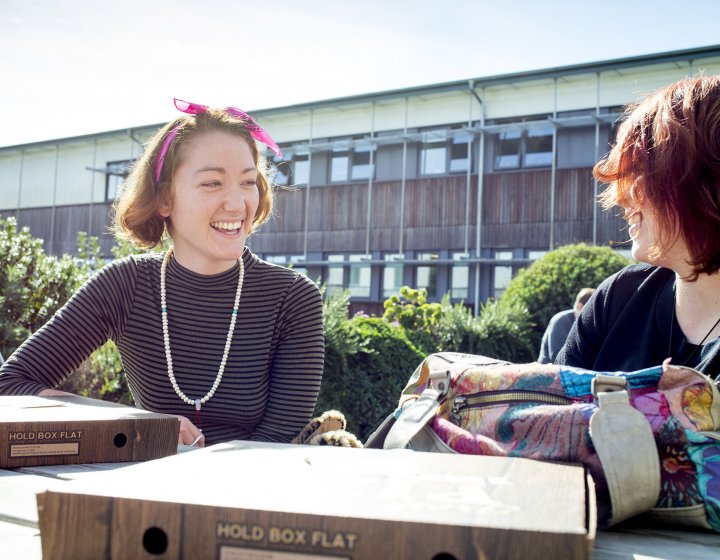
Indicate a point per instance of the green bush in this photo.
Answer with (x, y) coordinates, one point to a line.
(505, 332)
(339, 341)
(33, 285)
(366, 384)
(500, 331)
(369, 360)
(416, 317)
(550, 284)
(100, 377)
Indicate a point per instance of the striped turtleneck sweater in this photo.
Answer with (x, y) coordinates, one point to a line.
(272, 377)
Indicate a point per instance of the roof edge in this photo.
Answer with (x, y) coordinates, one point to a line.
(558, 71)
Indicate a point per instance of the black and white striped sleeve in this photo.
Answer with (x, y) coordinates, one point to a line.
(91, 316)
(297, 366)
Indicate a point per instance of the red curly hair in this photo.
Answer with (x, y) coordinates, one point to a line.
(667, 155)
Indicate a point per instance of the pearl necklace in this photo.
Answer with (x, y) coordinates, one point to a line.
(163, 303)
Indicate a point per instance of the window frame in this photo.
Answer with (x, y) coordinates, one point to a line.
(115, 179)
(282, 167)
(356, 265)
(355, 170)
(288, 261)
(336, 261)
(462, 267)
(296, 181)
(397, 269)
(523, 133)
(444, 139)
(502, 255)
(432, 270)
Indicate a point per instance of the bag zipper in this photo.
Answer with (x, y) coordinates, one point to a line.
(489, 398)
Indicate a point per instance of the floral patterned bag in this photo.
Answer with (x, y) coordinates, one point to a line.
(649, 438)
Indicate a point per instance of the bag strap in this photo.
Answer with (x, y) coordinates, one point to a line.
(625, 445)
(415, 416)
(621, 435)
(376, 439)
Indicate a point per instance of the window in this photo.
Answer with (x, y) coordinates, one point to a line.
(535, 255)
(301, 170)
(426, 275)
(362, 166)
(508, 150)
(287, 261)
(339, 164)
(359, 276)
(283, 167)
(433, 156)
(445, 151)
(538, 148)
(503, 273)
(459, 160)
(515, 149)
(359, 285)
(352, 164)
(115, 173)
(459, 278)
(392, 276)
(334, 283)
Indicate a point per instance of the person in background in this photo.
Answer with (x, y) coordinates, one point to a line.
(207, 331)
(559, 327)
(664, 173)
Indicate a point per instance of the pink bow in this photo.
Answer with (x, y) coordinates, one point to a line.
(256, 131)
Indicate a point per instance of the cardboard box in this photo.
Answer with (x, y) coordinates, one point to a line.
(38, 431)
(244, 500)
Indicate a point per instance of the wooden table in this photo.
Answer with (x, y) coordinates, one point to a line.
(20, 537)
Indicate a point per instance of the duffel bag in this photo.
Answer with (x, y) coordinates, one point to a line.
(649, 438)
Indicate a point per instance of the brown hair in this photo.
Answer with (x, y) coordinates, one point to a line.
(584, 295)
(667, 155)
(136, 216)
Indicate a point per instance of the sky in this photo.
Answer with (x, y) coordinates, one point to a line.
(75, 67)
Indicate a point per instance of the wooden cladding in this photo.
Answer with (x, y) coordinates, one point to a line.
(59, 227)
(516, 213)
(437, 213)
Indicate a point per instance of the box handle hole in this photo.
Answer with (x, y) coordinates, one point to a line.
(155, 540)
(120, 440)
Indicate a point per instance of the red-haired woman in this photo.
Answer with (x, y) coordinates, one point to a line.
(664, 172)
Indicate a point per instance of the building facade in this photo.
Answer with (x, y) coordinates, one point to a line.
(452, 187)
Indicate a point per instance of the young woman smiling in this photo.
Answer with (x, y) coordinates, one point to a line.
(664, 172)
(207, 331)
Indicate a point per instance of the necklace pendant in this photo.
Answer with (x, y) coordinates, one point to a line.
(197, 405)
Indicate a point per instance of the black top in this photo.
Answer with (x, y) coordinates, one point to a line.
(625, 326)
(272, 376)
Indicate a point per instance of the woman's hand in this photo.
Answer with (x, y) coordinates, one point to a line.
(189, 433)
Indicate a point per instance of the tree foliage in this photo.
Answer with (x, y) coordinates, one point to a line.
(551, 283)
(366, 383)
(368, 360)
(33, 285)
